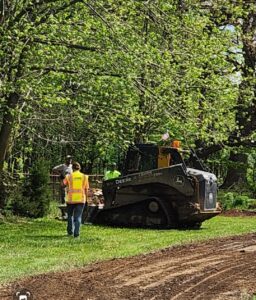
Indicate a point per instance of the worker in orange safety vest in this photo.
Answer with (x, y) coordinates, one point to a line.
(77, 191)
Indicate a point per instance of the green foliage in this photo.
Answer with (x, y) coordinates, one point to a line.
(251, 171)
(135, 71)
(34, 199)
(92, 78)
(8, 187)
(232, 200)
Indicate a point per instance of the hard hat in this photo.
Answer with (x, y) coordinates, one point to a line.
(68, 159)
(176, 144)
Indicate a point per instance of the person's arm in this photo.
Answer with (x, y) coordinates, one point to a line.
(64, 182)
(86, 187)
(106, 175)
(58, 169)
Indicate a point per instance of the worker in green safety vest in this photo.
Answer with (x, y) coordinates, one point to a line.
(112, 172)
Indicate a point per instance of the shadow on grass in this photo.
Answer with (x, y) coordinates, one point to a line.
(148, 228)
(48, 237)
(62, 237)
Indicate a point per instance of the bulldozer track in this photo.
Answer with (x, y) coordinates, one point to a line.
(189, 291)
(215, 287)
(220, 269)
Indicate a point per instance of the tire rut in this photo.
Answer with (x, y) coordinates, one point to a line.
(220, 269)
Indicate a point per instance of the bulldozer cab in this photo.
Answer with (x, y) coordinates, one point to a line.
(144, 157)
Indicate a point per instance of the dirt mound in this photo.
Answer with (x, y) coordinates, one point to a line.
(217, 269)
(239, 213)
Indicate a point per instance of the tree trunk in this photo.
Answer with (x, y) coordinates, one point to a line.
(7, 126)
(236, 175)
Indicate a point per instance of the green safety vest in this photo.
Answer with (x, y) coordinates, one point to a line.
(111, 174)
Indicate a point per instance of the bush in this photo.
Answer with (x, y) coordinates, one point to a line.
(252, 204)
(34, 199)
(241, 202)
(8, 185)
(233, 200)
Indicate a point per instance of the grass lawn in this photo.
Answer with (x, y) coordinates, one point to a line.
(37, 246)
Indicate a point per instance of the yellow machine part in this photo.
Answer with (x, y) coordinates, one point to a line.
(163, 159)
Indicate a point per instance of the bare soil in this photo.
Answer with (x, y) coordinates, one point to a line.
(218, 269)
(239, 213)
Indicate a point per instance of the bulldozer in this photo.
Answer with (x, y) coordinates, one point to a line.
(159, 189)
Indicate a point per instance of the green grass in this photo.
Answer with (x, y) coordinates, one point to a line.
(32, 247)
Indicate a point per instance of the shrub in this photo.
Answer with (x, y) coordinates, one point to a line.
(226, 200)
(233, 200)
(252, 204)
(34, 199)
(8, 185)
(241, 202)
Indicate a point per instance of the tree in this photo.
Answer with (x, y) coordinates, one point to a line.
(242, 17)
(89, 78)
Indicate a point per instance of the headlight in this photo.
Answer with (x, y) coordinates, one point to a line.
(210, 197)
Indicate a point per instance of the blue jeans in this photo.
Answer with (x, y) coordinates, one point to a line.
(75, 212)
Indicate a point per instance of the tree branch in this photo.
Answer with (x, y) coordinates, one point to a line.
(65, 44)
(34, 10)
(66, 71)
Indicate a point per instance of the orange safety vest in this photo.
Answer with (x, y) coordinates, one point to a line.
(77, 186)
